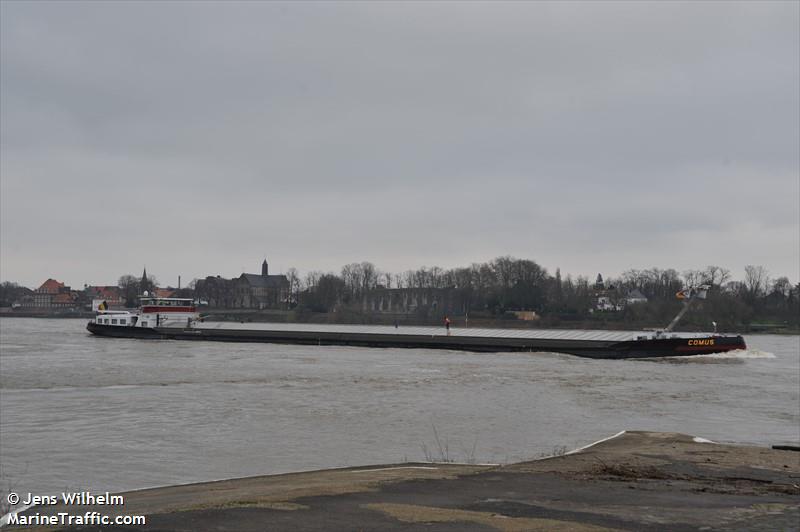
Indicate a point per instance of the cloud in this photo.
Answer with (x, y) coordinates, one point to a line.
(198, 137)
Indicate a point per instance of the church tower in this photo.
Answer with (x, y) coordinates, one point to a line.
(145, 284)
(264, 268)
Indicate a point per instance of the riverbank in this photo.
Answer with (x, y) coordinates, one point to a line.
(635, 480)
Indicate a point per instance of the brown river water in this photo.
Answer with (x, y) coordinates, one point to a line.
(79, 412)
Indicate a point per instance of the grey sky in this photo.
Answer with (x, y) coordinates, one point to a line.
(197, 138)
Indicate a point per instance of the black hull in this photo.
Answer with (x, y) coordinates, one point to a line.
(675, 347)
(665, 347)
(115, 331)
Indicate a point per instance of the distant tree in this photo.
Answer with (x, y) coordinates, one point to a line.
(326, 295)
(129, 286)
(557, 292)
(693, 277)
(11, 293)
(150, 284)
(294, 285)
(598, 283)
(716, 276)
(779, 294)
(370, 276)
(756, 280)
(782, 287)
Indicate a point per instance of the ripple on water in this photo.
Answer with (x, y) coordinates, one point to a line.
(127, 414)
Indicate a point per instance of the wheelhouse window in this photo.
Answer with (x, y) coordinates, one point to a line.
(113, 321)
(123, 321)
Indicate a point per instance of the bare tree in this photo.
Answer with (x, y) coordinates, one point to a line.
(717, 275)
(369, 276)
(756, 280)
(781, 286)
(294, 284)
(130, 287)
(312, 279)
(693, 277)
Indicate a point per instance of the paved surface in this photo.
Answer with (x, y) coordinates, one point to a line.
(635, 481)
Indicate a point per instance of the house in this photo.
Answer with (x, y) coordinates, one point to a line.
(51, 286)
(608, 301)
(46, 296)
(635, 296)
(605, 303)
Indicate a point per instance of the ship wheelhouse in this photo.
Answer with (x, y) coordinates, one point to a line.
(117, 318)
(166, 312)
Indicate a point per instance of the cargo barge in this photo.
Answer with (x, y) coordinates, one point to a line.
(593, 344)
(177, 319)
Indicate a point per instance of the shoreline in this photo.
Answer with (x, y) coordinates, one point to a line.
(628, 481)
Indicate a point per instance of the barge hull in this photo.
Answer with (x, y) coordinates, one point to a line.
(611, 349)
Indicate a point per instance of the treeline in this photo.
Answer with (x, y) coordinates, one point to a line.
(496, 288)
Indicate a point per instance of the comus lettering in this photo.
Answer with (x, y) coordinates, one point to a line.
(705, 341)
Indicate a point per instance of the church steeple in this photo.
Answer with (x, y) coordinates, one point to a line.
(264, 268)
(145, 284)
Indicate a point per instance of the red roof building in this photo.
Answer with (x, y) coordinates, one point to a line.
(46, 295)
(51, 286)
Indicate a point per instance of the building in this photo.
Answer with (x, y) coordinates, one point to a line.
(216, 291)
(248, 291)
(412, 301)
(262, 291)
(47, 296)
(110, 294)
(146, 284)
(164, 292)
(609, 300)
(67, 299)
(635, 296)
(605, 303)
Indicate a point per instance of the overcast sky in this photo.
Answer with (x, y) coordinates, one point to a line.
(199, 138)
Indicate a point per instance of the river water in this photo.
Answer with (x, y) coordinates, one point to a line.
(81, 412)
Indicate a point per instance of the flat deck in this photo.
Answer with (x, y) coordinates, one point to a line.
(455, 332)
